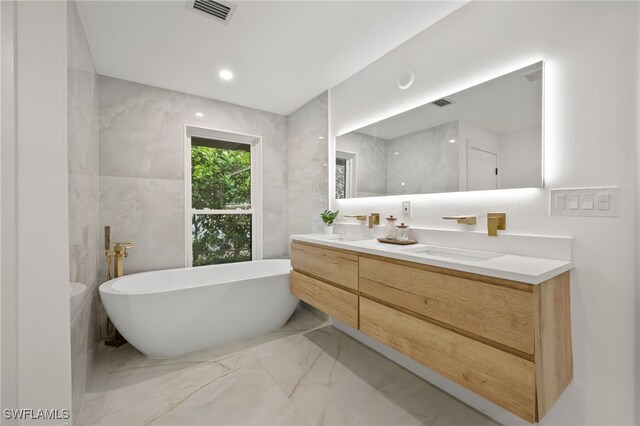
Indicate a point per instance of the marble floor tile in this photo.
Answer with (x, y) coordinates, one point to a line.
(247, 396)
(307, 373)
(139, 360)
(300, 321)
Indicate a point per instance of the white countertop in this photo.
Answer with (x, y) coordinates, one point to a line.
(530, 270)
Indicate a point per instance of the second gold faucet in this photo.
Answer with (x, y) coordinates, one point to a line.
(373, 218)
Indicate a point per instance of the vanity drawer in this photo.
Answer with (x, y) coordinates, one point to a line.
(500, 314)
(502, 378)
(332, 265)
(332, 300)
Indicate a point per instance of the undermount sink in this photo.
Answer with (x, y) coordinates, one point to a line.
(453, 253)
(347, 238)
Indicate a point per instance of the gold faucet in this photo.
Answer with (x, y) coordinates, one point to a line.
(120, 252)
(466, 220)
(374, 219)
(495, 222)
(116, 256)
(361, 217)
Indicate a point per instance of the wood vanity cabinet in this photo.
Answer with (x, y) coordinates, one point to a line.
(507, 341)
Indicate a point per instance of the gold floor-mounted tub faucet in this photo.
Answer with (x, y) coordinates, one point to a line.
(115, 257)
(120, 252)
(115, 269)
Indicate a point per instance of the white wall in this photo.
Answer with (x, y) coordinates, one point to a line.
(591, 94)
(519, 156)
(637, 241)
(43, 370)
(83, 202)
(8, 212)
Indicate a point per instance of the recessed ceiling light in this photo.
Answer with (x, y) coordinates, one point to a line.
(199, 114)
(452, 141)
(320, 137)
(396, 153)
(226, 75)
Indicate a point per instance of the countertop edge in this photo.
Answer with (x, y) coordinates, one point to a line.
(560, 268)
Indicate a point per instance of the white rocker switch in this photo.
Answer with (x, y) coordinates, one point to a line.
(574, 202)
(587, 202)
(603, 201)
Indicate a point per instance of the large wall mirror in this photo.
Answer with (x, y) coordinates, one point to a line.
(485, 137)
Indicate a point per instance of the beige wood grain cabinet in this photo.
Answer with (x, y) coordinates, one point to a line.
(507, 341)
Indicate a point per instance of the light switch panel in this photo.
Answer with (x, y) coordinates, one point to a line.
(596, 201)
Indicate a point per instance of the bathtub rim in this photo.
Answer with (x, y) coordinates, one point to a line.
(107, 286)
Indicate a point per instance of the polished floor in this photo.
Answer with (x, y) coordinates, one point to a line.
(307, 373)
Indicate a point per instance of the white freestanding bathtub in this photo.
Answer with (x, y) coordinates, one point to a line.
(173, 312)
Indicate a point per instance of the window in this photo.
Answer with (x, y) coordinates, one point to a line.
(341, 177)
(345, 174)
(222, 200)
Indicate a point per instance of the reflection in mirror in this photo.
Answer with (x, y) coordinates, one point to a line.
(485, 137)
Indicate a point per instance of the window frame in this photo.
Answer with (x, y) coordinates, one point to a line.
(350, 173)
(191, 130)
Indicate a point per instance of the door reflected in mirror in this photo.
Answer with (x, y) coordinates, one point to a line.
(485, 137)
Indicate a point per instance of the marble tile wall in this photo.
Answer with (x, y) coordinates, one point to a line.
(371, 162)
(426, 161)
(141, 134)
(307, 156)
(83, 201)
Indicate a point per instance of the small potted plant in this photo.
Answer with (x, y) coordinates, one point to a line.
(328, 217)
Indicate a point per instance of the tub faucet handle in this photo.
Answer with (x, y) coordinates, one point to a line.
(121, 248)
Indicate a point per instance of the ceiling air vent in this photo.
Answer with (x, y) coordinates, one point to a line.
(442, 102)
(219, 10)
(533, 76)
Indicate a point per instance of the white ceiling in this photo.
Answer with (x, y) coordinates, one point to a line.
(503, 105)
(282, 53)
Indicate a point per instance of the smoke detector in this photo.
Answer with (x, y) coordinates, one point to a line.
(219, 10)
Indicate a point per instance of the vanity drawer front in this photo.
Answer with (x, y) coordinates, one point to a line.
(329, 299)
(331, 265)
(502, 378)
(500, 314)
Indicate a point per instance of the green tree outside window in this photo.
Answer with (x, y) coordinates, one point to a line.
(220, 180)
